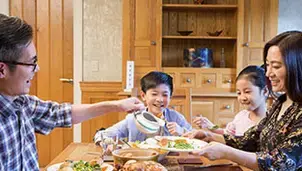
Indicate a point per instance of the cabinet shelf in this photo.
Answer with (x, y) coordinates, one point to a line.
(201, 37)
(194, 6)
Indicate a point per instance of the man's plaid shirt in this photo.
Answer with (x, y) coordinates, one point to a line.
(19, 120)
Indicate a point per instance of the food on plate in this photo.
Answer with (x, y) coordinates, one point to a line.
(93, 165)
(133, 165)
(177, 143)
(121, 156)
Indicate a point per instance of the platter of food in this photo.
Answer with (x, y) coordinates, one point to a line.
(80, 166)
(176, 144)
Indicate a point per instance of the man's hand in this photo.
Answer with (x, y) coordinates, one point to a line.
(129, 105)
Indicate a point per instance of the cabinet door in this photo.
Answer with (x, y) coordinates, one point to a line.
(145, 33)
(260, 25)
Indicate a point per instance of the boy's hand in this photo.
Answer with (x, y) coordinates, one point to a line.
(130, 105)
(174, 128)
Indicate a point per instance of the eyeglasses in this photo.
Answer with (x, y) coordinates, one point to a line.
(21, 63)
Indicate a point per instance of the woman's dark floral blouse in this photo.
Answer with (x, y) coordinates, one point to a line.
(277, 143)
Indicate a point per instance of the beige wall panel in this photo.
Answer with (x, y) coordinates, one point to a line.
(102, 40)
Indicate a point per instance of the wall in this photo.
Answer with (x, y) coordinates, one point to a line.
(102, 40)
(289, 15)
(4, 7)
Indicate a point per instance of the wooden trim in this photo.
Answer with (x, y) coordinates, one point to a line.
(126, 39)
(240, 36)
(87, 86)
(273, 15)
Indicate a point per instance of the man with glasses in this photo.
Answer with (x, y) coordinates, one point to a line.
(21, 115)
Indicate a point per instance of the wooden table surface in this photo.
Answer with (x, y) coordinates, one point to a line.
(88, 151)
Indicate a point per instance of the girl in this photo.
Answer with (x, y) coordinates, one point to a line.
(252, 93)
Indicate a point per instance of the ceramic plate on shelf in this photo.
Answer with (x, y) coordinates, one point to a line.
(176, 144)
(55, 167)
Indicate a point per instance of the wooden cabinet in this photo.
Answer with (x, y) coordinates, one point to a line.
(152, 41)
(260, 25)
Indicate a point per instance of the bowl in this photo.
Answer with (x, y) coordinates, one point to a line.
(216, 33)
(121, 156)
(145, 126)
(185, 32)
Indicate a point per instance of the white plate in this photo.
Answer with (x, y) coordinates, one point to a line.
(197, 144)
(55, 167)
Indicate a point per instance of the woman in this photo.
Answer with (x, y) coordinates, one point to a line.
(276, 142)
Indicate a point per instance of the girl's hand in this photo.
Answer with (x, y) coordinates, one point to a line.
(203, 122)
(213, 151)
(174, 128)
(198, 134)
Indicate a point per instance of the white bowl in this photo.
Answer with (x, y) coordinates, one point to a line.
(144, 125)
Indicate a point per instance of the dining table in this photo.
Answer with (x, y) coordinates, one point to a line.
(173, 161)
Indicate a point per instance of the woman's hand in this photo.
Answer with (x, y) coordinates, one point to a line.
(203, 122)
(174, 128)
(213, 151)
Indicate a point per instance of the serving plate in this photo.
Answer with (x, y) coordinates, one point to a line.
(195, 143)
(55, 167)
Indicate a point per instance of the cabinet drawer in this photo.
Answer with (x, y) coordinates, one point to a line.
(208, 80)
(226, 107)
(187, 79)
(228, 81)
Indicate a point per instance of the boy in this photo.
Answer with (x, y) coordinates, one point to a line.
(156, 92)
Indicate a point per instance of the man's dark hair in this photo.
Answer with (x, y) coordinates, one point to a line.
(290, 46)
(154, 79)
(15, 35)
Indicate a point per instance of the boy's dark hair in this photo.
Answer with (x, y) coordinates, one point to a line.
(254, 74)
(15, 35)
(290, 46)
(154, 79)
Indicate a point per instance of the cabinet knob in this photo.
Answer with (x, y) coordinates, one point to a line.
(153, 42)
(228, 107)
(209, 81)
(228, 81)
(245, 44)
(188, 80)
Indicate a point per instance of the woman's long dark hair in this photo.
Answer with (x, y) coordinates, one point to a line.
(290, 46)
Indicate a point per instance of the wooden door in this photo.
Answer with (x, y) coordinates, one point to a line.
(260, 25)
(141, 36)
(52, 21)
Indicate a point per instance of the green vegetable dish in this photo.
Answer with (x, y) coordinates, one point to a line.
(85, 166)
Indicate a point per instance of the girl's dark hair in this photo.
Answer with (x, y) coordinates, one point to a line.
(254, 74)
(154, 79)
(15, 35)
(290, 46)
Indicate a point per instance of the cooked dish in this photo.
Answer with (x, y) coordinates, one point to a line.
(93, 165)
(133, 165)
(177, 143)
